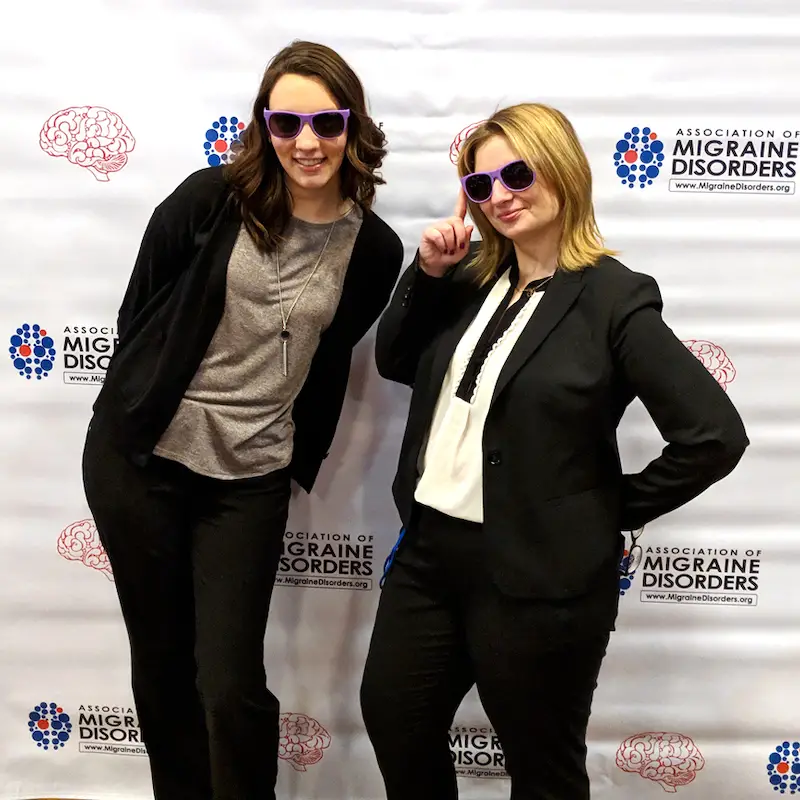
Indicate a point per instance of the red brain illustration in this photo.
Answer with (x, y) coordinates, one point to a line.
(714, 359)
(302, 740)
(80, 542)
(669, 759)
(460, 139)
(91, 137)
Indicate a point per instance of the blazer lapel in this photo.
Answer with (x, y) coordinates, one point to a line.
(557, 300)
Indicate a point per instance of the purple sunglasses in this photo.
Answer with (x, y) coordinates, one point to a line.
(325, 124)
(516, 176)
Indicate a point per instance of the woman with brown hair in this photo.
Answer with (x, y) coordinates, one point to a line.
(523, 352)
(252, 286)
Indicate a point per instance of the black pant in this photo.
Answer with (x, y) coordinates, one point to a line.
(194, 561)
(442, 626)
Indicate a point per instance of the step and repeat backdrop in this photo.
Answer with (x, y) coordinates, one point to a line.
(690, 114)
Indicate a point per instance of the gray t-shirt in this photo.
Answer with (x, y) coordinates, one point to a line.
(235, 419)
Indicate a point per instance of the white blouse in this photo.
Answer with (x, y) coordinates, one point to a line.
(452, 459)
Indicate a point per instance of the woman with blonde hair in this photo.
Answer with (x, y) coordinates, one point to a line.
(523, 352)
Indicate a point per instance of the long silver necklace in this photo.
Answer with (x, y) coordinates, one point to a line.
(285, 334)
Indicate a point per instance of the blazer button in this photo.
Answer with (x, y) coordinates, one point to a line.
(494, 457)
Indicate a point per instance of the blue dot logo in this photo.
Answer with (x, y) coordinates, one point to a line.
(220, 137)
(783, 768)
(639, 157)
(50, 726)
(32, 351)
(625, 581)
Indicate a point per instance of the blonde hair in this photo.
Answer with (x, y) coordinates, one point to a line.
(545, 140)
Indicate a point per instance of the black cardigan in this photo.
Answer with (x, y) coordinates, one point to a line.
(175, 300)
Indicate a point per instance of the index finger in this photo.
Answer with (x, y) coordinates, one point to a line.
(461, 204)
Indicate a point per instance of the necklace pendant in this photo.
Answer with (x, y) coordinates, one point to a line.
(285, 335)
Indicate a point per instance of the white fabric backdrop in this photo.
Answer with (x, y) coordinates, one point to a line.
(696, 694)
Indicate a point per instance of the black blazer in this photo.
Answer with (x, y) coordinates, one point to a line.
(174, 302)
(555, 498)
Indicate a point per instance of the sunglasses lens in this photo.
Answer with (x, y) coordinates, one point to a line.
(329, 125)
(283, 125)
(479, 188)
(517, 176)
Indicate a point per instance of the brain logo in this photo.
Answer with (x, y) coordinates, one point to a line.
(91, 137)
(783, 769)
(669, 759)
(80, 542)
(639, 157)
(219, 138)
(32, 351)
(302, 740)
(455, 147)
(714, 359)
(50, 726)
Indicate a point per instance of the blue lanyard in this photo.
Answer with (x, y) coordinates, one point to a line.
(390, 558)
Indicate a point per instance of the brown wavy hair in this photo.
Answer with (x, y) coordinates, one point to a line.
(544, 139)
(255, 173)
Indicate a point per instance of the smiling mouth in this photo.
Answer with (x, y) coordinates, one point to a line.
(509, 215)
(309, 163)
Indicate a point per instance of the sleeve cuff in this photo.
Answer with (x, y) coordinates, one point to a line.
(425, 278)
